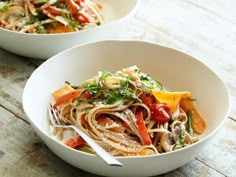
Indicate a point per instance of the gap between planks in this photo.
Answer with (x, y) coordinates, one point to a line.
(209, 166)
(15, 115)
(209, 11)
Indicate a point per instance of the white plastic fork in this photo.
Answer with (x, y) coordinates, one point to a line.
(107, 157)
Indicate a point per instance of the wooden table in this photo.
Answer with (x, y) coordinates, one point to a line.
(205, 29)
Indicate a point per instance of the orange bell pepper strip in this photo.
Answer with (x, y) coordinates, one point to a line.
(198, 123)
(59, 29)
(171, 99)
(144, 152)
(62, 91)
(69, 96)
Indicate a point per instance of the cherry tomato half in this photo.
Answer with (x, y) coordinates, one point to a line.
(160, 113)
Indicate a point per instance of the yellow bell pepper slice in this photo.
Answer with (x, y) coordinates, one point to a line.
(185, 101)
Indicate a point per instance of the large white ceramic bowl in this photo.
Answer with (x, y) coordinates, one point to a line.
(43, 46)
(176, 70)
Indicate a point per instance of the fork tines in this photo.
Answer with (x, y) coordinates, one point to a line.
(54, 116)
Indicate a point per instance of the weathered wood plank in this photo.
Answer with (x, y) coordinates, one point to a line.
(202, 28)
(14, 72)
(22, 153)
(36, 62)
(221, 153)
(218, 8)
(194, 169)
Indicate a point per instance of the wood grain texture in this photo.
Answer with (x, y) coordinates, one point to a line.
(14, 72)
(222, 9)
(201, 28)
(22, 153)
(220, 154)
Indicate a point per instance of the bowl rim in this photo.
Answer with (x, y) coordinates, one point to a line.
(127, 15)
(203, 139)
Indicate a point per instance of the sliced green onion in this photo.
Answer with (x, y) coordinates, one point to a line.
(41, 29)
(190, 128)
(84, 149)
(42, 1)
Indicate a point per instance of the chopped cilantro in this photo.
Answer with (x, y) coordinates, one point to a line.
(104, 75)
(41, 29)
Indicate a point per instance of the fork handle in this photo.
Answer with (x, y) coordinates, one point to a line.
(107, 157)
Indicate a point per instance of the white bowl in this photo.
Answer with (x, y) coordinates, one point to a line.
(176, 70)
(43, 46)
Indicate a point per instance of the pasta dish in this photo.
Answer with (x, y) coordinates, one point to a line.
(49, 16)
(128, 114)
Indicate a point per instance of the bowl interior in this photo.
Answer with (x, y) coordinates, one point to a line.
(175, 70)
(111, 11)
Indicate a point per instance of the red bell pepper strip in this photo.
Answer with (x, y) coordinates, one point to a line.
(1, 25)
(126, 125)
(71, 96)
(81, 18)
(73, 6)
(75, 142)
(143, 129)
(79, 2)
(53, 10)
(67, 97)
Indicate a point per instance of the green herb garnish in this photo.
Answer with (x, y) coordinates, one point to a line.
(124, 92)
(104, 75)
(72, 23)
(179, 143)
(41, 29)
(149, 83)
(190, 128)
(85, 149)
(42, 1)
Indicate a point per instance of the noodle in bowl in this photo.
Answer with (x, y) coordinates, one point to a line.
(48, 28)
(150, 58)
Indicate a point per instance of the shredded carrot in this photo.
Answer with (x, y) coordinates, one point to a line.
(59, 29)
